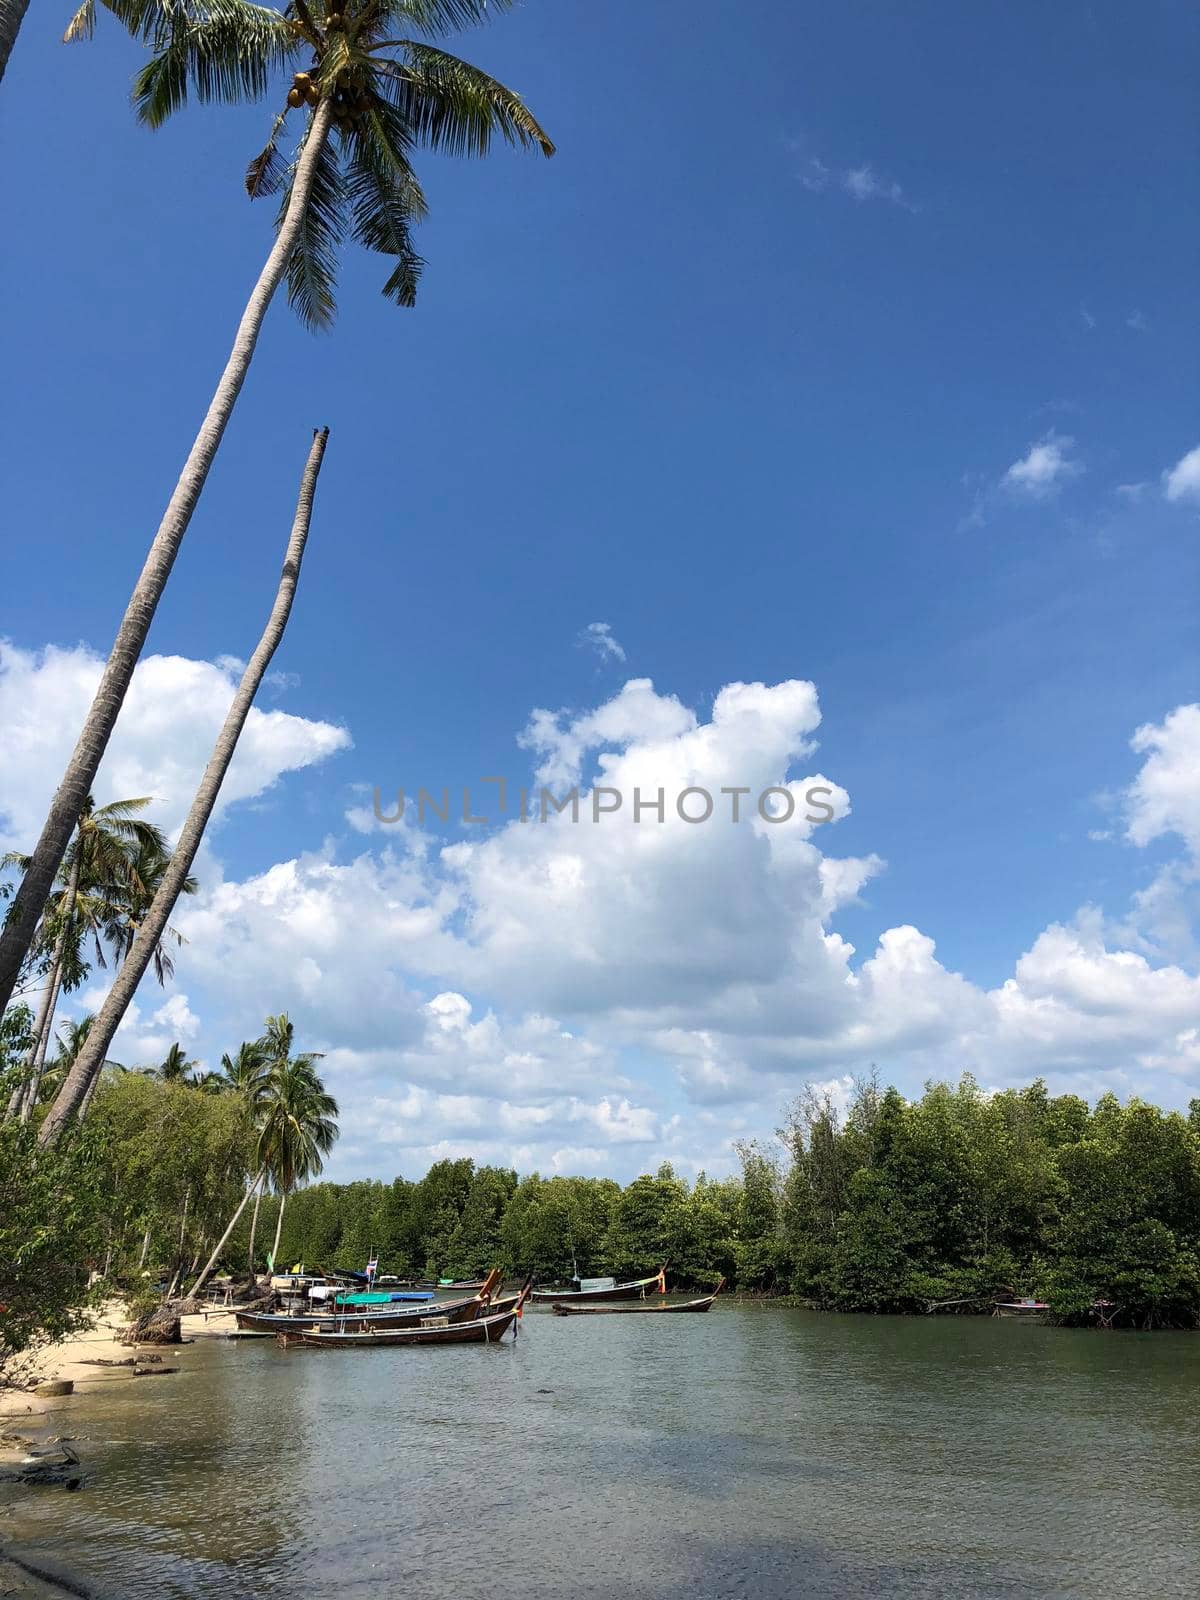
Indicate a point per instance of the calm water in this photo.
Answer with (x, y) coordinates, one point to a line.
(753, 1452)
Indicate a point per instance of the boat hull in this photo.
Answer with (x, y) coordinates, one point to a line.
(269, 1322)
(637, 1290)
(632, 1310)
(648, 1308)
(483, 1330)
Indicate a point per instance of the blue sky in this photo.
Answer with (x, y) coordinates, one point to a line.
(742, 373)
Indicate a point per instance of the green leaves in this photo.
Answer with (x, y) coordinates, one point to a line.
(312, 265)
(449, 105)
(223, 50)
(231, 50)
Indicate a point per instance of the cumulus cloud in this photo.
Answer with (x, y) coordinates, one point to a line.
(1182, 482)
(1043, 469)
(609, 993)
(170, 719)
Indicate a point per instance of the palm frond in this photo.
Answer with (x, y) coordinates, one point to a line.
(312, 266)
(441, 16)
(225, 50)
(384, 198)
(83, 24)
(452, 106)
(267, 171)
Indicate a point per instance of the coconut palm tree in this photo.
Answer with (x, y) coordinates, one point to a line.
(124, 917)
(102, 867)
(175, 1067)
(299, 1119)
(76, 1087)
(298, 1128)
(245, 1074)
(370, 95)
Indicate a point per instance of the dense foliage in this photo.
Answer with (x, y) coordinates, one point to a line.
(885, 1205)
(888, 1206)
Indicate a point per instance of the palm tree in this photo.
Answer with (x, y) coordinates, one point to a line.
(126, 915)
(101, 868)
(174, 1067)
(298, 1128)
(299, 1121)
(371, 98)
(245, 1074)
(146, 941)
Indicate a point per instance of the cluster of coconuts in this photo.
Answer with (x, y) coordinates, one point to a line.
(303, 91)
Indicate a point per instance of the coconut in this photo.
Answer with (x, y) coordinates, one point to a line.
(302, 81)
(295, 98)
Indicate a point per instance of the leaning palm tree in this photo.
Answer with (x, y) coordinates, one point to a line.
(298, 1129)
(369, 94)
(75, 1089)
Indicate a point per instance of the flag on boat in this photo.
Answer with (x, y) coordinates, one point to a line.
(662, 1280)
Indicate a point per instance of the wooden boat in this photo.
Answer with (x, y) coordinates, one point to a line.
(591, 1291)
(271, 1322)
(1028, 1310)
(646, 1308)
(489, 1329)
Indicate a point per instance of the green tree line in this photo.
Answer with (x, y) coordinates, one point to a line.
(883, 1205)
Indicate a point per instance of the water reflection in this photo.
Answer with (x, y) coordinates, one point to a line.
(746, 1452)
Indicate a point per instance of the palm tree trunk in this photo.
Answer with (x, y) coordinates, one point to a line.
(254, 1228)
(145, 1248)
(278, 1230)
(77, 781)
(36, 1063)
(12, 14)
(224, 1239)
(91, 1057)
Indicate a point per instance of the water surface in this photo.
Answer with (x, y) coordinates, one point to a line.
(753, 1451)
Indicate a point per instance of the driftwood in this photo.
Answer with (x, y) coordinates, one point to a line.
(153, 1372)
(160, 1326)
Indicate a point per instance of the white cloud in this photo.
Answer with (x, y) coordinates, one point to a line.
(864, 183)
(1138, 321)
(599, 637)
(1165, 796)
(170, 719)
(1044, 468)
(656, 988)
(1086, 317)
(1182, 482)
(861, 182)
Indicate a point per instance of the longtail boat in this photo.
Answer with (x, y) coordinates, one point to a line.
(593, 1290)
(489, 1329)
(463, 1310)
(646, 1308)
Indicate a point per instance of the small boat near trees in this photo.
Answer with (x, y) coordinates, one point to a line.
(1028, 1309)
(592, 1291)
(487, 1329)
(648, 1308)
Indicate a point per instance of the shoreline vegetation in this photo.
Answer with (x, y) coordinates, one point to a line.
(876, 1204)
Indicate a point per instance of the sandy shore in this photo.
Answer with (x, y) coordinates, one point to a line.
(71, 1358)
(28, 1420)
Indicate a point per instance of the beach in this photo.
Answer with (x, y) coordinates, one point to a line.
(30, 1422)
